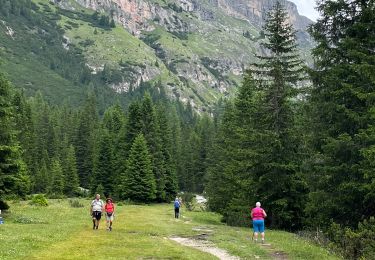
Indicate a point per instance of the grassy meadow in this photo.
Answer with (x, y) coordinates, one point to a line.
(60, 231)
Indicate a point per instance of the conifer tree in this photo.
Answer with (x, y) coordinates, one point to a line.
(57, 186)
(10, 157)
(103, 166)
(114, 122)
(139, 184)
(342, 112)
(170, 166)
(261, 140)
(85, 141)
(70, 172)
(151, 132)
(42, 178)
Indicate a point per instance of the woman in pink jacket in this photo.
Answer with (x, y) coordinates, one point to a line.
(258, 214)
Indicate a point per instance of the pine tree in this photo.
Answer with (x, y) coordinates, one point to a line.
(70, 173)
(103, 166)
(170, 166)
(57, 187)
(133, 125)
(114, 122)
(42, 182)
(151, 132)
(10, 156)
(85, 141)
(342, 125)
(260, 143)
(222, 180)
(139, 184)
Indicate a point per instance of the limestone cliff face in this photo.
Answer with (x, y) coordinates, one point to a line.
(255, 11)
(202, 43)
(135, 15)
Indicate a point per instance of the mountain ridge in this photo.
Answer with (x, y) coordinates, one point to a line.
(198, 50)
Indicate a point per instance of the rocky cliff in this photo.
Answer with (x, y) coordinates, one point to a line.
(199, 48)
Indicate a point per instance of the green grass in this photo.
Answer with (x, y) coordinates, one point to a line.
(60, 231)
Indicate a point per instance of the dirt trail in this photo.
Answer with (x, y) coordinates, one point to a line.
(205, 246)
(274, 253)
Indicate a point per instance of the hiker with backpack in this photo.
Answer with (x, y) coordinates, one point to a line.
(258, 214)
(96, 209)
(109, 211)
(177, 206)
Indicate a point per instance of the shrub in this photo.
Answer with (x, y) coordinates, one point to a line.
(39, 200)
(189, 200)
(354, 243)
(76, 204)
(237, 216)
(3, 205)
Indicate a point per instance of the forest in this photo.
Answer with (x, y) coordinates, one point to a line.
(299, 139)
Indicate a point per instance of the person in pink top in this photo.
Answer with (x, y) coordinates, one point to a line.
(258, 214)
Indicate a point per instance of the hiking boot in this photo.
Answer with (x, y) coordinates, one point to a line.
(110, 228)
(96, 227)
(262, 241)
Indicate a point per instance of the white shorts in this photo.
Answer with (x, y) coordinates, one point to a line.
(108, 218)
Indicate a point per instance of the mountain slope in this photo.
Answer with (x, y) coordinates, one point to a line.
(198, 50)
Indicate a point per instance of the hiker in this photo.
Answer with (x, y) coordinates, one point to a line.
(177, 206)
(258, 214)
(96, 209)
(109, 211)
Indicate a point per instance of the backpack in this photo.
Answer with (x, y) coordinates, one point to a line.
(176, 204)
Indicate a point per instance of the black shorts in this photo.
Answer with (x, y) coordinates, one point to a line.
(97, 215)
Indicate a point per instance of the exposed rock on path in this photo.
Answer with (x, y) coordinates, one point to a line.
(205, 246)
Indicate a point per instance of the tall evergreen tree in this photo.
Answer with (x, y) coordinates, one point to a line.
(85, 141)
(262, 142)
(342, 125)
(10, 156)
(103, 167)
(139, 184)
(171, 185)
(151, 132)
(70, 172)
(42, 180)
(57, 186)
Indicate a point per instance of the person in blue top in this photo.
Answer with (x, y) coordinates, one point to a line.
(177, 206)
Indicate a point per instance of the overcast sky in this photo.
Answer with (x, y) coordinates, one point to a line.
(306, 8)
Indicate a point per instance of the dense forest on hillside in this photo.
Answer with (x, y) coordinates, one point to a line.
(63, 148)
(300, 140)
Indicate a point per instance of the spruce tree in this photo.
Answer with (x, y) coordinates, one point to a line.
(10, 156)
(151, 132)
(57, 187)
(221, 173)
(139, 184)
(70, 172)
(342, 111)
(114, 122)
(42, 180)
(277, 77)
(170, 166)
(103, 167)
(261, 143)
(85, 141)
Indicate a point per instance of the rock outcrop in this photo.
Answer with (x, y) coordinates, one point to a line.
(205, 45)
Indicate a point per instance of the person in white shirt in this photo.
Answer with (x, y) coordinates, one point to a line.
(96, 209)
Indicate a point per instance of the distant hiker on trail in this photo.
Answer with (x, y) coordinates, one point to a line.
(177, 206)
(258, 214)
(96, 209)
(109, 211)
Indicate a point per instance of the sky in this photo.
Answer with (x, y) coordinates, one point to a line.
(306, 8)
